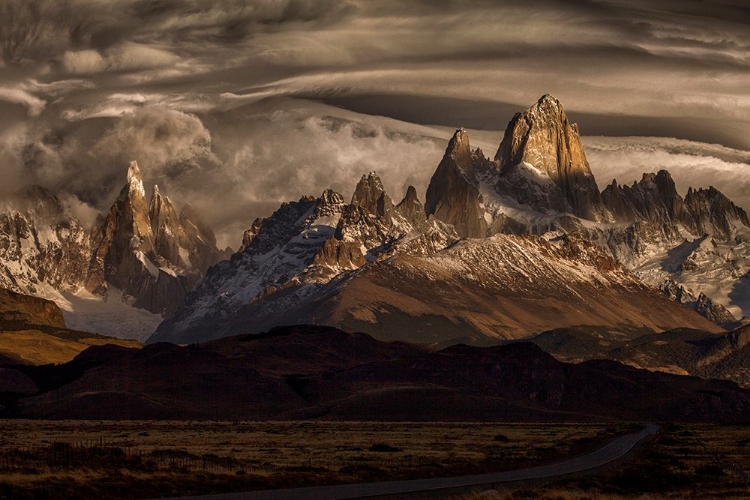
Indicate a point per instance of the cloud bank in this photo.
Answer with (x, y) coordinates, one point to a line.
(217, 99)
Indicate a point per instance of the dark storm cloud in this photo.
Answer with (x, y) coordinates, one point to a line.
(43, 29)
(87, 85)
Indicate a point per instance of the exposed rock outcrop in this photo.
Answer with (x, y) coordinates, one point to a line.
(411, 208)
(708, 211)
(41, 244)
(370, 195)
(709, 309)
(28, 310)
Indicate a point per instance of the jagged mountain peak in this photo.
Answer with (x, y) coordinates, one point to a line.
(410, 196)
(148, 251)
(547, 106)
(368, 189)
(159, 203)
(709, 211)
(660, 178)
(411, 208)
(330, 203)
(453, 194)
(543, 137)
(135, 180)
(370, 195)
(459, 148)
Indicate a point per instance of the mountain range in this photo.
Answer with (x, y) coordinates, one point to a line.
(502, 248)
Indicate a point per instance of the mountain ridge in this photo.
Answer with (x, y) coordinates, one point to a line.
(470, 199)
(316, 372)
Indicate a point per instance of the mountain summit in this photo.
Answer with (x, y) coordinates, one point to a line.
(543, 137)
(453, 194)
(148, 251)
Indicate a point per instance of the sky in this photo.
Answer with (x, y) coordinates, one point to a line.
(236, 106)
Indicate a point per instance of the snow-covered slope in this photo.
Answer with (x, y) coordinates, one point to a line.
(475, 291)
(43, 247)
(303, 245)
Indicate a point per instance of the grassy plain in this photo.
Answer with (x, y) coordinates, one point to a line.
(138, 459)
(135, 459)
(682, 462)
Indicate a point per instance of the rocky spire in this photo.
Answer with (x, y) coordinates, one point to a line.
(126, 237)
(411, 208)
(615, 201)
(543, 137)
(147, 251)
(135, 181)
(166, 228)
(453, 195)
(709, 211)
(370, 195)
(329, 204)
(132, 201)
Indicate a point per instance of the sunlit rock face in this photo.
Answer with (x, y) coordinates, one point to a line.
(543, 137)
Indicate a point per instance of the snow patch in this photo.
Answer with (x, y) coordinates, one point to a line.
(111, 316)
(150, 266)
(185, 257)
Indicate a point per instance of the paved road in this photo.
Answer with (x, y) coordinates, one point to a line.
(609, 453)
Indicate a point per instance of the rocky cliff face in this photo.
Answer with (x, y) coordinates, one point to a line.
(126, 238)
(655, 199)
(370, 195)
(708, 211)
(539, 177)
(412, 209)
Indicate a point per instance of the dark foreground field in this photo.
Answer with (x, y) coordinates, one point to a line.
(86, 459)
(118, 460)
(681, 462)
